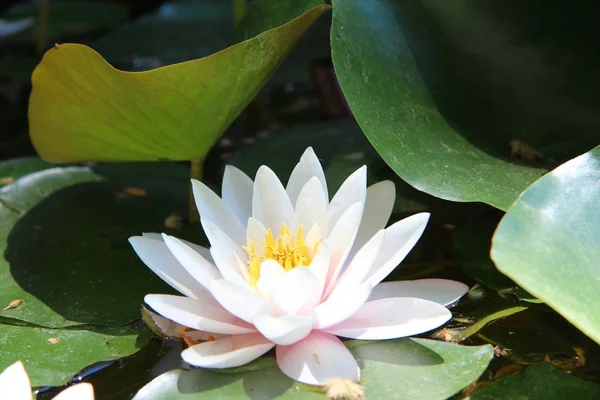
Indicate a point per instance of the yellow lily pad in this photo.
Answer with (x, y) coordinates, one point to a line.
(82, 109)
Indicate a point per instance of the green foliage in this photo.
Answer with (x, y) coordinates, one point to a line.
(393, 369)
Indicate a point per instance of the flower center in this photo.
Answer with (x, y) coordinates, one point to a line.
(288, 250)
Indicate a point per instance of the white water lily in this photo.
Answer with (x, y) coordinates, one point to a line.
(289, 269)
(14, 385)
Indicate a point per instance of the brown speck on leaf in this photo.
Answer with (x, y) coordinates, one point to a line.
(53, 340)
(174, 221)
(6, 180)
(13, 304)
(134, 191)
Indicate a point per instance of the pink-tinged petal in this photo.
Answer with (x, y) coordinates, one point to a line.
(361, 263)
(239, 300)
(441, 291)
(285, 329)
(228, 352)
(378, 208)
(392, 318)
(81, 391)
(213, 208)
(353, 190)
(225, 253)
(270, 203)
(256, 233)
(157, 256)
(14, 382)
(202, 271)
(298, 292)
(203, 251)
(271, 275)
(399, 240)
(342, 304)
(319, 265)
(236, 192)
(197, 315)
(311, 207)
(308, 167)
(340, 242)
(318, 359)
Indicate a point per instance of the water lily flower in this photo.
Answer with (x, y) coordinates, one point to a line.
(14, 385)
(289, 269)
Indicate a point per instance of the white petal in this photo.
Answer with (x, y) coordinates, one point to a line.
(241, 301)
(319, 265)
(377, 211)
(285, 329)
(270, 203)
(236, 192)
(225, 253)
(14, 382)
(202, 271)
(308, 167)
(399, 240)
(311, 207)
(213, 208)
(441, 291)
(256, 232)
(340, 305)
(197, 315)
(228, 352)
(340, 242)
(362, 262)
(81, 391)
(271, 275)
(392, 318)
(157, 256)
(203, 251)
(317, 359)
(313, 237)
(298, 292)
(353, 190)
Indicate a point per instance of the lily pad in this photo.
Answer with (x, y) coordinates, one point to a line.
(394, 369)
(53, 356)
(390, 101)
(64, 239)
(539, 382)
(82, 109)
(549, 241)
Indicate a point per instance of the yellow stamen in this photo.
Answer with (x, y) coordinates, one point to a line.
(288, 250)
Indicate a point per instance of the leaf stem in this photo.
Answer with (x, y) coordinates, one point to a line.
(239, 10)
(196, 169)
(42, 27)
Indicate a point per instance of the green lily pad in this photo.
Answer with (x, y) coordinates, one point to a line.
(539, 382)
(64, 239)
(393, 369)
(382, 84)
(83, 109)
(549, 241)
(53, 356)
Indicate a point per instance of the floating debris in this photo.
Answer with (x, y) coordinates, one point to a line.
(13, 304)
(53, 340)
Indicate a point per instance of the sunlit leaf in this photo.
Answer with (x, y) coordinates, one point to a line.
(53, 356)
(83, 109)
(391, 103)
(398, 369)
(549, 241)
